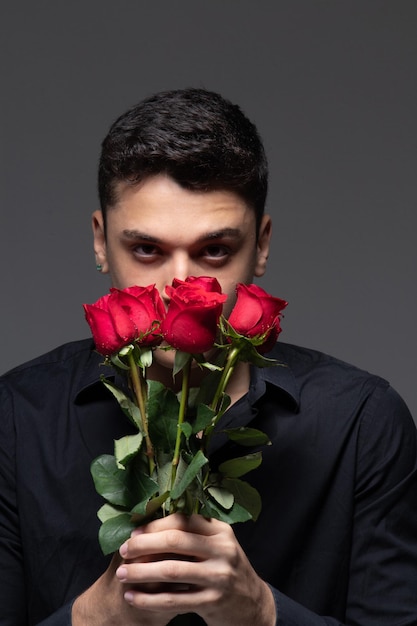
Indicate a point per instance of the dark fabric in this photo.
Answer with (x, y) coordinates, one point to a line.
(337, 536)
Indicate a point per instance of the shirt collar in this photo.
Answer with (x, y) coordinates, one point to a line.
(88, 383)
(279, 375)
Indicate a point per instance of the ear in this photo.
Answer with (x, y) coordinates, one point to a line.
(100, 247)
(262, 246)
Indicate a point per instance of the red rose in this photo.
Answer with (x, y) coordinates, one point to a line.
(193, 313)
(125, 315)
(256, 313)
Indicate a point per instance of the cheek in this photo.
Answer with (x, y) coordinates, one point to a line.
(230, 290)
(243, 272)
(164, 358)
(126, 273)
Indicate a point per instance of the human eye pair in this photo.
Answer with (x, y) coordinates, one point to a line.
(214, 254)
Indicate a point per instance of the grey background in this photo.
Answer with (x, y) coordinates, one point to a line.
(332, 88)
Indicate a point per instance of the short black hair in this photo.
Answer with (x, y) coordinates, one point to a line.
(197, 137)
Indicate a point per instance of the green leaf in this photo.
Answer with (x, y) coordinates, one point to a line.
(180, 361)
(143, 486)
(224, 405)
(107, 511)
(236, 514)
(118, 363)
(128, 407)
(110, 481)
(211, 381)
(179, 473)
(163, 408)
(203, 418)
(126, 350)
(253, 356)
(156, 503)
(245, 495)
(190, 473)
(143, 356)
(222, 496)
(187, 429)
(126, 447)
(193, 393)
(121, 487)
(152, 507)
(164, 475)
(114, 532)
(247, 436)
(212, 367)
(234, 468)
(247, 346)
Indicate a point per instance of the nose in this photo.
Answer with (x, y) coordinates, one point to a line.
(180, 266)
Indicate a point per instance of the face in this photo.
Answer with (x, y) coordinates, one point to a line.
(158, 231)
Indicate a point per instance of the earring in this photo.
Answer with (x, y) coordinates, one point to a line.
(99, 267)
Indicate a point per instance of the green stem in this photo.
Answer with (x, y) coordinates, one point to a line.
(229, 366)
(181, 415)
(185, 388)
(228, 369)
(139, 387)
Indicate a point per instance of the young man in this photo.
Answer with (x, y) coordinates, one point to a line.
(183, 182)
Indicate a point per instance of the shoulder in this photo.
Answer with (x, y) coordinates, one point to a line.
(67, 358)
(349, 412)
(319, 368)
(61, 353)
(332, 385)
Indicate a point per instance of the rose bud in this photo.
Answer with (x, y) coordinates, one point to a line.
(193, 313)
(256, 313)
(124, 316)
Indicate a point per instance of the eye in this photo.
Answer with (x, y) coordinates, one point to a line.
(146, 251)
(216, 252)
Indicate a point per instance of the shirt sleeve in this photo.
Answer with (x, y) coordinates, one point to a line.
(62, 617)
(12, 585)
(13, 597)
(383, 567)
(383, 570)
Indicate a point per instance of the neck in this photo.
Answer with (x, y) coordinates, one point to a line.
(239, 383)
(237, 387)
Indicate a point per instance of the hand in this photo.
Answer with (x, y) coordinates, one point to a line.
(103, 604)
(210, 574)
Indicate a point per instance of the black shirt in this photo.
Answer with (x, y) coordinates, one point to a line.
(337, 536)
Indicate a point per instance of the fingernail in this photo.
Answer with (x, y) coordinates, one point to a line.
(123, 549)
(121, 573)
(137, 531)
(129, 597)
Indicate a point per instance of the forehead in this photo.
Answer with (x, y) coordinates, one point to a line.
(159, 203)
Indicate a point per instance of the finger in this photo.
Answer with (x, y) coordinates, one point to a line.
(193, 524)
(179, 542)
(192, 574)
(177, 602)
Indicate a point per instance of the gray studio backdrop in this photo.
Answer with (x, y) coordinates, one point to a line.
(332, 87)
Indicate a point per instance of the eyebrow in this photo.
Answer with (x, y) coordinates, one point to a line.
(223, 233)
(135, 235)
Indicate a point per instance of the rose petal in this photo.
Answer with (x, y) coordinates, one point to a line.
(105, 337)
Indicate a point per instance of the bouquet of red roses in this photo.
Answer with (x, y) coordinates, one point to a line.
(163, 467)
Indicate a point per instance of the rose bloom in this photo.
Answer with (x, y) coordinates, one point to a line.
(257, 313)
(193, 313)
(124, 316)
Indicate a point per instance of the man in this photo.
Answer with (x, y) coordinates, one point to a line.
(183, 181)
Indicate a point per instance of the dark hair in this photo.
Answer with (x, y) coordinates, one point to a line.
(196, 137)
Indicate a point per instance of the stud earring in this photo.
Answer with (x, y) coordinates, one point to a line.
(99, 267)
